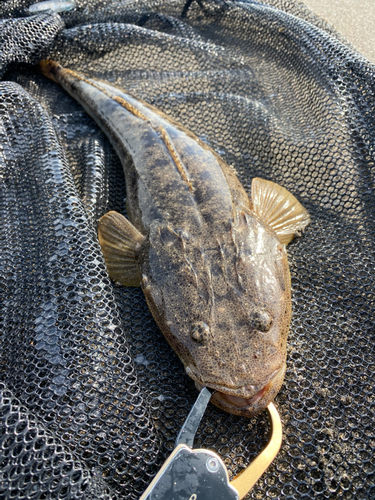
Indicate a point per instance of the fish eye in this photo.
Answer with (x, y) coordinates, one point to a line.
(260, 319)
(200, 332)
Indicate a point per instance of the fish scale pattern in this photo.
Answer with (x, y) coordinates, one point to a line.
(92, 396)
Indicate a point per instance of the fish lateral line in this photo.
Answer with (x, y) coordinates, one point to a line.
(161, 131)
(163, 134)
(175, 157)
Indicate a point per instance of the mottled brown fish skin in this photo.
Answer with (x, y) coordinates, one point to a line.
(214, 274)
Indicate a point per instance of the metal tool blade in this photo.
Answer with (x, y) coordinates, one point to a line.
(188, 430)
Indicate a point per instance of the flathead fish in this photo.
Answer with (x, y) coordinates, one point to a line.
(211, 262)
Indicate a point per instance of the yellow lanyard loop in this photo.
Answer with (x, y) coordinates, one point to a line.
(246, 479)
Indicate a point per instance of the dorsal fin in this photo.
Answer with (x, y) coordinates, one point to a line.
(121, 243)
(279, 209)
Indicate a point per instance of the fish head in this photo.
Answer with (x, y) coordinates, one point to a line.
(223, 303)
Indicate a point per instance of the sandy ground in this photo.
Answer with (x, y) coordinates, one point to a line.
(355, 19)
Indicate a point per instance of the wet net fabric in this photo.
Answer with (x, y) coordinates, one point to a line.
(92, 396)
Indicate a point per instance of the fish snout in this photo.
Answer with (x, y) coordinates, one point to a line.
(247, 401)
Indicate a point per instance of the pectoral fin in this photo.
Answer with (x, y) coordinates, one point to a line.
(121, 243)
(279, 209)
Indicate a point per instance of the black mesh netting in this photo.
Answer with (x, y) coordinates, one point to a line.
(92, 395)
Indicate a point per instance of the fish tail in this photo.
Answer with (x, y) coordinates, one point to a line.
(50, 69)
(67, 78)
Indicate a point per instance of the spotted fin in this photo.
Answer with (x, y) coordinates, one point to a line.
(121, 243)
(279, 209)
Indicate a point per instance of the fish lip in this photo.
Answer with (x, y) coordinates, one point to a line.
(249, 407)
(244, 403)
(244, 391)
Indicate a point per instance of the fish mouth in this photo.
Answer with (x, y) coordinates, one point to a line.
(247, 401)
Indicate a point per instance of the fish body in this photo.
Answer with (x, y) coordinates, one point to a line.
(211, 262)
